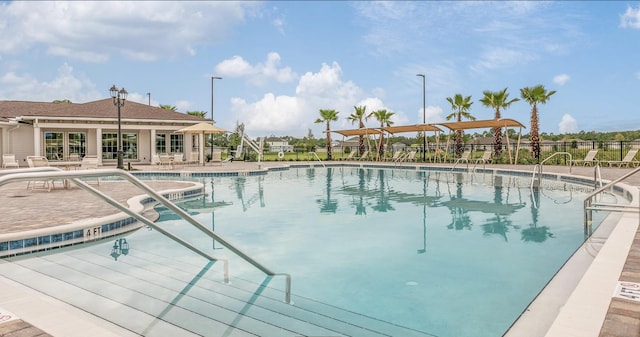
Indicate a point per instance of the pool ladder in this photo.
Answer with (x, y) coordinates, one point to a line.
(50, 173)
(592, 204)
(312, 154)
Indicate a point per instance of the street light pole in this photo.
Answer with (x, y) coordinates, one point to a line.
(212, 121)
(424, 121)
(119, 97)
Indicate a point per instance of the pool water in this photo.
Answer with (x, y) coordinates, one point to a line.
(447, 254)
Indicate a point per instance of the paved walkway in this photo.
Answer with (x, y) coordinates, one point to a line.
(23, 209)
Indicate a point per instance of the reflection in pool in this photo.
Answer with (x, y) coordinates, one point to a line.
(449, 254)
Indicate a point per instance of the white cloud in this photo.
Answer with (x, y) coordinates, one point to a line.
(294, 115)
(561, 79)
(631, 18)
(568, 124)
(93, 31)
(434, 114)
(501, 58)
(234, 67)
(66, 85)
(259, 74)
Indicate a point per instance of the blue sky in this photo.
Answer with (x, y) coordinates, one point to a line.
(283, 61)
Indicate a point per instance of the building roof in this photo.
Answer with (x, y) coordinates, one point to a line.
(97, 109)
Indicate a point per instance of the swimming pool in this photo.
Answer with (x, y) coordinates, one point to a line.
(425, 250)
(416, 252)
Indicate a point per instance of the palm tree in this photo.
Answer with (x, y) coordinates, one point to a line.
(497, 100)
(359, 116)
(460, 106)
(168, 107)
(384, 117)
(202, 114)
(533, 96)
(328, 116)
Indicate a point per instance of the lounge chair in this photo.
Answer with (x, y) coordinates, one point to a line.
(626, 161)
(589, 159)
(365, 155)
(9, 160)
(216, 156)
(410, 156)
(90, 163)
(351, 155)
(39, 161)
(397, 155)
(464, 157)
(486, 157)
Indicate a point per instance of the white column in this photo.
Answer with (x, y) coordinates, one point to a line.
(152, 142)
(36, 139)
(99, 145)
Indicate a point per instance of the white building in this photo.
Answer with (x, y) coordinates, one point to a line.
(58, 130)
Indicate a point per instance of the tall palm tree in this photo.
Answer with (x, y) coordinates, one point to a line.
(460, 106)
(384, 117)
(359, 116)
(328, 116)
(533, 96)
(497, 100)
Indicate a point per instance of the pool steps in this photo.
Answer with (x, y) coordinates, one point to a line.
(155, 294)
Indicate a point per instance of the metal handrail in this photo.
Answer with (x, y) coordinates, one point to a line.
(55, 173)
(317, 158)
(538, 167)
(588, 200)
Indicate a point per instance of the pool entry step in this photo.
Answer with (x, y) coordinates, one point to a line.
(155, 295)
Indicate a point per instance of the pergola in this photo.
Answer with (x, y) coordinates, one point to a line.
(390, 130)
(359, 132)
(488, 123)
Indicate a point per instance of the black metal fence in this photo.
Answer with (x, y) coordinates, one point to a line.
(608, 151)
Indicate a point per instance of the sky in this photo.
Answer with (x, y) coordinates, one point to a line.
(281, 62)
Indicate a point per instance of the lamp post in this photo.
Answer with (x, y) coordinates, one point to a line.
(119, 96)
(212, 121)
(424, 121)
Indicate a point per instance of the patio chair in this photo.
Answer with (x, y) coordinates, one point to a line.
(397, 155)
(165, 160)
(409, 156)
(626, 161)
(365, 155)
(39, 161)
(194, 158)
(178, 159)
(216, 156)
(9, 160)
(486, 157)
(90, 163)
(464, 157)
(589, 159)
(351, 155)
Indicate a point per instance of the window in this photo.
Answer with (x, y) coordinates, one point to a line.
(54, 145)
(177, 144)
(161, 143)
(110, 146)
(77, 144)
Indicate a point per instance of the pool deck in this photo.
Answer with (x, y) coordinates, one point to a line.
(24, 209)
